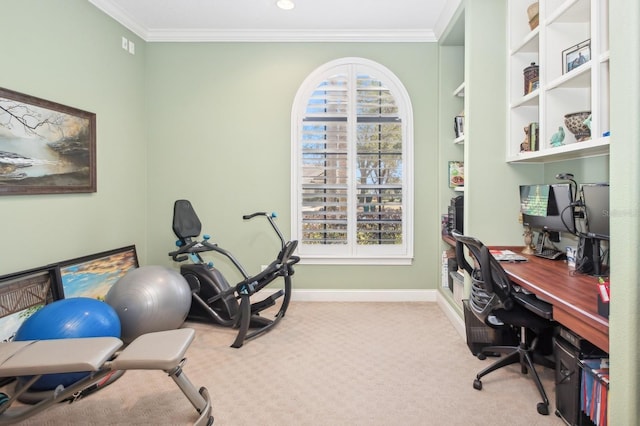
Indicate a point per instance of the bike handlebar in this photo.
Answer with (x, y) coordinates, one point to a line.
(192, 247)
(252, 215)
(273, 224)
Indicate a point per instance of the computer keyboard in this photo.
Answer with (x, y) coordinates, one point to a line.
(549, 253)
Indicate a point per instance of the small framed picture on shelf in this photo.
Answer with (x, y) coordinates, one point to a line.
(575, 56)
(458, 125)
(456, 174)
(534, 84)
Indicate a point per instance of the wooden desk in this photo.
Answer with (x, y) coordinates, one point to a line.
(573, 296)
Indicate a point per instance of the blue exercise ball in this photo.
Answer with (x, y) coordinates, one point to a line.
(148, 299)
(64, 319)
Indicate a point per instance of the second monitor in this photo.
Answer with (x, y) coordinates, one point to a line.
(596, 205)
(591, 258)
(548, 208)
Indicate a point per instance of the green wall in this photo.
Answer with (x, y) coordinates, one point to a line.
(219, 136)
(69, 52)
(625, 199)
(204, 121)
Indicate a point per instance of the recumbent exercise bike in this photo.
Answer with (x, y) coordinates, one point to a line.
(213, 299)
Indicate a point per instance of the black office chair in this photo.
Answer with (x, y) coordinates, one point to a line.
(494, 301)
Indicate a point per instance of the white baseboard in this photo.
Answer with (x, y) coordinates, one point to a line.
(302, 295)
(454, 317)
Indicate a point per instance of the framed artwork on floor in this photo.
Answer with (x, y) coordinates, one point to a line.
(92, 276)
(22, 294)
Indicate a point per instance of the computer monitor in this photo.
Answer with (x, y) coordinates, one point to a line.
(548, 207)
(596, 211)
(596, 207)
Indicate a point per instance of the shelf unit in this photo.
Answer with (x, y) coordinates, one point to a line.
(459, 93)
(564, 24)
(459, 90)
(452, 148)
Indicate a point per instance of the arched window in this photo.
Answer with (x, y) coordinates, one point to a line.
(352, 156)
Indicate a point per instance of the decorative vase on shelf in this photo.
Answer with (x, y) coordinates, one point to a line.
(579, 124)
(531, 74)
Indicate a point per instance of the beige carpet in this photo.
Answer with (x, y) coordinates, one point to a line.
(326, 364)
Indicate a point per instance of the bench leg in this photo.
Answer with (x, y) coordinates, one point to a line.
(199, 399)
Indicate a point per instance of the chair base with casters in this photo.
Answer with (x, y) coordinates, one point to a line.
(495, 302)
(525, 354)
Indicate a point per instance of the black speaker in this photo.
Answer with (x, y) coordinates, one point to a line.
(456, 214)
(584, 256)
(588, 256)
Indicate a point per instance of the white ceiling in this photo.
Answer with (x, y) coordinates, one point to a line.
(261, 20)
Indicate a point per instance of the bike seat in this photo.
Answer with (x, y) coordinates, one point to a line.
(186, 223)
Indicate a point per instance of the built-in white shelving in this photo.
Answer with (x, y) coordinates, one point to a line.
(567, 29)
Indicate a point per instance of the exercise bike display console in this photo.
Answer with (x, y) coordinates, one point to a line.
(213, 298)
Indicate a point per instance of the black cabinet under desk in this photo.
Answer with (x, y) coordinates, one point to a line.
(570, 350)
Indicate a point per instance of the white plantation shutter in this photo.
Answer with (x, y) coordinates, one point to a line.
(325, 169)
(351, 183)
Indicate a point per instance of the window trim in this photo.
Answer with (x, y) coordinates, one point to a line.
(404, 256)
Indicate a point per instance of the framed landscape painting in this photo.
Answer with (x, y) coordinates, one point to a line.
(45, 147)
(92, 276)
(22, 294)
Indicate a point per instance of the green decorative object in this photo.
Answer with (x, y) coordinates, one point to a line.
(557, 139)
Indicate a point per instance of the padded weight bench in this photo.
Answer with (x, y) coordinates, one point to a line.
(162, 350)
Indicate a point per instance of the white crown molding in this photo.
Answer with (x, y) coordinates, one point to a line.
(121, 16)
(208, 35)
(448, 12)
(342, 36)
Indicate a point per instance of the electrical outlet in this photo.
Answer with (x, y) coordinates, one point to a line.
(125, 43)
(132, 47)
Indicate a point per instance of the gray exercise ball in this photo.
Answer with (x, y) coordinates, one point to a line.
(148, 299)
